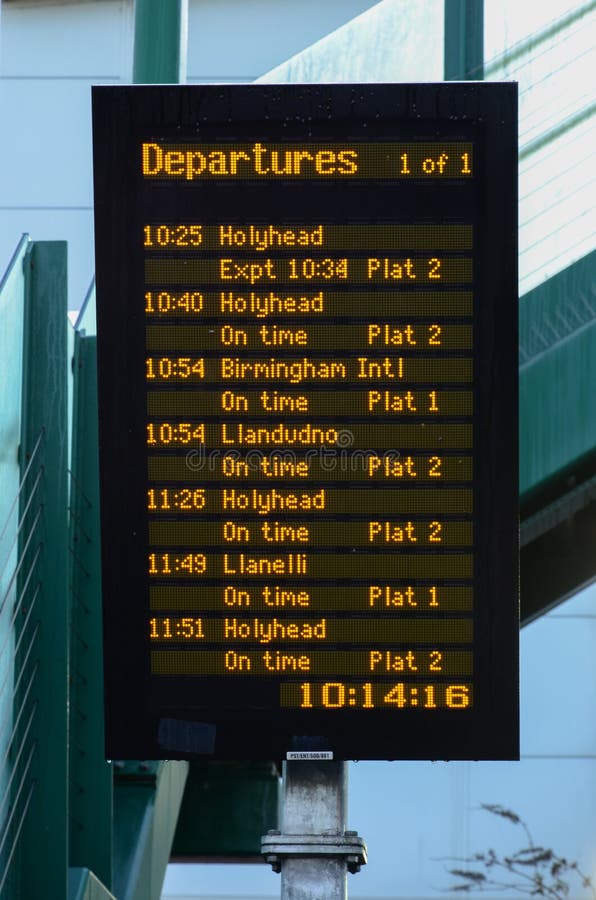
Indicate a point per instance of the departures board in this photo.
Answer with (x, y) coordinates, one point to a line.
(307, 364)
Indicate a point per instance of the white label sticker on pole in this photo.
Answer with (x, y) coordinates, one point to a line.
(309, 754)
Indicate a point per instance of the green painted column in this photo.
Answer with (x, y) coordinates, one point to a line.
(464, 40)
(41, 700)
(160, 41)
(90, 774)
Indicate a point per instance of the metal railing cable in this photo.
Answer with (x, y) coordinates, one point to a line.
(545, 35)
(16, 651)
(21, 577)
(6, 869)
(22, 705)
(21, 561)
(18, 606)
(8, 796)
(15, 800)
(32, 490)
(34, 453)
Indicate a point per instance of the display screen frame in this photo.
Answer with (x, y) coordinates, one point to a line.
(153, 716)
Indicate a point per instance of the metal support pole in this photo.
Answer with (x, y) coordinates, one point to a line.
(314, 851)
(160, 41)
(464, 40)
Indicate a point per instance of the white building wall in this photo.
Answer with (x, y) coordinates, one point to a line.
(396, 40)
(238, 40)
(550, 49)
(52, 51)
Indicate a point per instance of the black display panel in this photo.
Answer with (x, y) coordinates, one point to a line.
(307, 362)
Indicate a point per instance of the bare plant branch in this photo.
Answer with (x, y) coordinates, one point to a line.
(533, 871)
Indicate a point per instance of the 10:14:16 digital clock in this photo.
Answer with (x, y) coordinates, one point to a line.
(368, 695)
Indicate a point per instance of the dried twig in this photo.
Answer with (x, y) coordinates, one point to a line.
(534, 871)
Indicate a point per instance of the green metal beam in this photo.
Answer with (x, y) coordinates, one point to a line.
(558, 437)
(83, 885)
(147, 799)
(90, 774)
(227, 808)
(561, 559)
(464, 40)
(160, 41)
(44, 837)
(557, 376)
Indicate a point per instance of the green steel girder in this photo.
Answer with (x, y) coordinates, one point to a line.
(83, 885)
(557, 378)
(160, 38)
(90, 775)
(558, 437)
(561, 560)
(44, 836)
(242, 803)
(464, 40)
(147, 798)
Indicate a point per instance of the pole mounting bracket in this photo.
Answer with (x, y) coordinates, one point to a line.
(348, 845)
